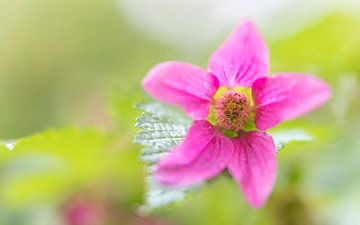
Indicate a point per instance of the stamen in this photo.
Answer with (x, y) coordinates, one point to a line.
(232, 110)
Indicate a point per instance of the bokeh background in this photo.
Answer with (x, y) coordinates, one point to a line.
(70, 73)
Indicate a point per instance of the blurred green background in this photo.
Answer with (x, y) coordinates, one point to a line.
(70, 73)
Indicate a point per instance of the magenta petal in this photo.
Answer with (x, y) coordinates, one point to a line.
(183, 85)
(286, 96)
(241, 59)
(203, 154)
(254, 166)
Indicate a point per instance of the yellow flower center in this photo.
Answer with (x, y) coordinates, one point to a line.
(232, 109)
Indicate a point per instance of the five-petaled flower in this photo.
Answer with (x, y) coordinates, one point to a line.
(235, 91)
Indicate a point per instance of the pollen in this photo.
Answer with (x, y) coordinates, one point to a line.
(232, 110)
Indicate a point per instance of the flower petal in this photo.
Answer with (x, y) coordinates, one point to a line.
(241, 59)
(183, 85)
(286, 96)
(203, 154)
(254, 166)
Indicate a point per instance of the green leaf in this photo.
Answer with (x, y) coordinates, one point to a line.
(159, 195)
(162, 128)
(8, 144)
(283, 137)
(46, 163)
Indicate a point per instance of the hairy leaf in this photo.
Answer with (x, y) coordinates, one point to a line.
(162, 128)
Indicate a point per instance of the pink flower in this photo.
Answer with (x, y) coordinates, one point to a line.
(235, 88)
(82, 211)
